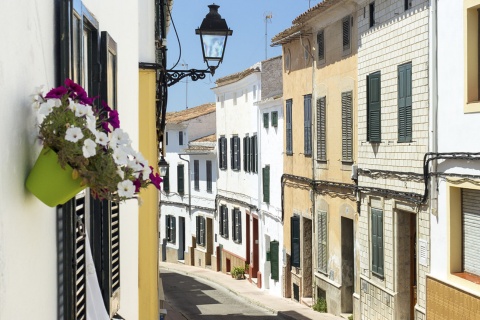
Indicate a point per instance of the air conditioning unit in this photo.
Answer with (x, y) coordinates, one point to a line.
(354, 175)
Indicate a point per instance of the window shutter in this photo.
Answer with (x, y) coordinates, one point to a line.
(180, 138)
(347, 134)
(266, 184)
(321, 46)
(196, 174)
(295, 241)
(225, 222)
(234, 222)
(307, 117)
(220, 153)
(232, 154)
(275, 119)
(346, 33)
(249, 154)
(374, 116)
(166, 181)
(288, 124)
(209, 176)
(239, 227)
(167, 227)
(321, 129)
(224, 153)
(405, 103)
(377, 241)
(236, 156)
(197, 229)
(174, 228)
(256, 153)
(245, 166)
(274, 260)
(265, 120)
(322, 241)
(180, 179)
(220, 221)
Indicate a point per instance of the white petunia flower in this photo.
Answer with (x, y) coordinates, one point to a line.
(120, 136)
(72, 105)
(89, 148)
(73, 134)
(47, 107)
(120, 157)
(121, 173)
(92, 125)
(126, 189)
(101, 138)
(134, 165)
(146, 170)
(81, 110)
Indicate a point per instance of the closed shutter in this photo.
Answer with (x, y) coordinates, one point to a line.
(167, 227)
(202, 231)
(232, 154)
(225, 222)
(237, 153)
(321, 129)
(196, 174)
(265, 120)
(166, 181)
(234, 221)
(249, 154)
(288, 124)
(307, 117)
(346, 33)
(174, 228)
(224, 153)
(321, 45)
(256, 153)
(239, 227)
(245, 165)
(471, 230)
(374, 116)
(377, 241)
(405, 103)
(347, 133)
(266, 184)
(295, 241)
(220, 221)
(322, 241)
(197, 229)
(180, 179)
(209, 176)
(274, 260)
(275, 119)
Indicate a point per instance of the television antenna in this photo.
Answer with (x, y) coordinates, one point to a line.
(267, 17)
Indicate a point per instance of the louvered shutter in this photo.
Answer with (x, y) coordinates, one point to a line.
(249, 154)
(321, 129)
(322, 241)
(256, 153)
(288, 124)
(166, 181)
(374, 116)
(307, 117)
(236, 140)
(232, 154)
(239, 227)
(377, 241)
(196, 174)
(202, 230)
(225, 222)
(346, 33)
(209, 175)
(180, 179)
(112, 261)
(405, 103)
(295, 241)
(197, 229)
(274, 268)
(274, 119)
(220, 221)
(266, 184)
(347, 134)
(321, 45)
(265, 120)
(234, 222)
(224, 153)
(471, 228)
(167, 227)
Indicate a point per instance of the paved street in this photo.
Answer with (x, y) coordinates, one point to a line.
(199, 293)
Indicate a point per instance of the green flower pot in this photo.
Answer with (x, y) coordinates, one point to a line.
(49, 182)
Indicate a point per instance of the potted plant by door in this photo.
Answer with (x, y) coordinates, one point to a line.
(84, 146)
(238, 273)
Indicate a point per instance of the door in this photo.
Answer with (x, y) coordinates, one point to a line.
(255, 248)
(347, 265)
(181, 238)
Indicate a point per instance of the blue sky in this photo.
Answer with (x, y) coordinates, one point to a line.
(244, 48)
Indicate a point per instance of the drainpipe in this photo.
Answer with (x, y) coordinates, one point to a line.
(189, 177)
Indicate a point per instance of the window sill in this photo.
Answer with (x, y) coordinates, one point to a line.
(471, 107)
(468, 276)
(379, 276)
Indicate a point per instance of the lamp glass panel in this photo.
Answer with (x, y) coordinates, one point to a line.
(213, 46)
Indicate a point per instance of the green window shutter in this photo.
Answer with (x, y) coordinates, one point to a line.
(288, 125)
(274, 268)
(238, 156)
(249, 154)
(377, 241)
(266, 184)
(307, 128)
(197, 229)
(209, 175)
(405, 103)
(166, 181)
(374, 116)
(196, 174)
(322, 241)
(225, 223)
(274, 119)
(239, 226)
(220, 153)
(220, 221)
(295, 241)
(174, 228)
(232, 155)
(180, 179)
(347, 127)
(265, 120)
(321, 129)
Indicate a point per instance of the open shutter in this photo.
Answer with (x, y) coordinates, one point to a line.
(405, 103)
(266, 184)
(166, 181)
(265, 120)
(377, 241)
(374, 116)
(174, 228)
(288, 124)
(321, 45)
(180, 179)
(347, 133)
(196, 174)
(295, 241)
(274, 260)
(321, 129)
(322, 241)
(197, 229)
(346, 33)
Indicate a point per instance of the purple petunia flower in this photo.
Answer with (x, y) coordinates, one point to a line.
(138, 184)
(105, 127)
(56, 93)
(155, 179)
(106, 107)
(114, 120)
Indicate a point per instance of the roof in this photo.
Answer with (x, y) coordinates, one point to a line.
(189, 114)
(298, 24)
(210, 138)
(206, 143)
(239, 75)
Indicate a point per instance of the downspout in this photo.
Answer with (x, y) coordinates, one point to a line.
(189, 186)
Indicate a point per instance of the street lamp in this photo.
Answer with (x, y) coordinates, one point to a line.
(163, 167)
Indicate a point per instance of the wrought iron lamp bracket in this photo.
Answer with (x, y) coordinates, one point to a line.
(174, 76)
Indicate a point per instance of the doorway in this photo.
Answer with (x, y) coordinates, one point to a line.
(347, 265)
(181, 238)
(407, 264)
(255, 247)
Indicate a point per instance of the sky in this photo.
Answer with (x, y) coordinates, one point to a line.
(244, 48)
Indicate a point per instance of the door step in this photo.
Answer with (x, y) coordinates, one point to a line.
(307, 301)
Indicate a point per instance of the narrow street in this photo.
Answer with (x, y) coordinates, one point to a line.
(193, 298)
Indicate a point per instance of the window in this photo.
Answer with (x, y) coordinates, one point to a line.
(408, 4)
(237, 225)
(235, 153)
(306, 52)
(180, 138)
(374, 116)
(254, 92)
(471, 58)
(200, 228)
(266, 184)
(371, 8)
(222, 154)
(321, 46)
(274, 119)
(405, 103)
(307, 119)
(246, 154)
(180, 179)
(322, 237)
(288, 124)
(234, 98)
(347, 127)
(166, 138)
(295, 241)
(287, 60)
(209, 176)
(377, 241)
(222, 100)
(223, 221)
(196, 175)
(265, 120)
(166, 181)
(321, 129)
(253, 154)
(346, 34)
(274, 260)
(170, 225)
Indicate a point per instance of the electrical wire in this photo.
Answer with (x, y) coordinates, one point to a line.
(178, 39)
